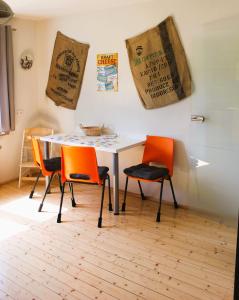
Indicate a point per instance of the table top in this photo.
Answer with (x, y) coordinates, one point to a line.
(107, 143)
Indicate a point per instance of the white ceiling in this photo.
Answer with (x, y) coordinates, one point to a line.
(39, 9)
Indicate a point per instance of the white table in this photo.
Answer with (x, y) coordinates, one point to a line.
(107, 143)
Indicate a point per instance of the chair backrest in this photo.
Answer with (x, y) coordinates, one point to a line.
(26, 149)
(37, 131)
(159, 150)
(37, 155)
(79, 160)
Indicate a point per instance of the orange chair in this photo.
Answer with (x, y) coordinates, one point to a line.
(79, 164)
(158, 151)
(48, 167)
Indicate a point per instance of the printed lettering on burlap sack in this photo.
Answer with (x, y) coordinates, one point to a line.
(66, 71)
(159, 66)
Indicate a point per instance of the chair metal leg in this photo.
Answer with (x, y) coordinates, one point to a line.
(174, 198)
(59, 180)
(101, 205)
(125, 194)
(110, 203)
(160, 201)
(62, 196)
(35, 184)
(73, 203)
(46, 191)
(141, 191)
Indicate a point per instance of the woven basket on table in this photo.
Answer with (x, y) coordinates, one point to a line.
(91, 130)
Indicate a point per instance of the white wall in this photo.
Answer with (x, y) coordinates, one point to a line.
(25, 99)
(106, 32)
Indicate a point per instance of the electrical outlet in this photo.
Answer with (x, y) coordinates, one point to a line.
(19, 113)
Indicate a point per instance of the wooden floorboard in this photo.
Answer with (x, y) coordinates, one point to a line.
(186, 256)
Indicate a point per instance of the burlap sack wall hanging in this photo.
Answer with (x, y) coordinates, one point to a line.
(66, 71)
(159, 67)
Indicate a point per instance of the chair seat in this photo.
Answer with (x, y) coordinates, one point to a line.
(145, 171)
(103, 171)
(52, 164)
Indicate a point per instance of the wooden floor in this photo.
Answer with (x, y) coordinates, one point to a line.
(186, 256)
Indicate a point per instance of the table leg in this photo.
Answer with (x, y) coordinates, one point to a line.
(46, 156)
(116, 182)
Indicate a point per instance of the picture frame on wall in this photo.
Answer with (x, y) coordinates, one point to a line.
(107, 72)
